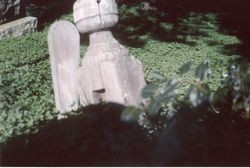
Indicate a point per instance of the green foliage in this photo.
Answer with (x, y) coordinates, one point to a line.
(207, 42)
(163, 46)
(26, 95)
(68, 17)
(236, 93)
(162, 103)
(96, 136)
(193, 89)
(25, 83)
(161, 97)
(185, 68)
(130, 114)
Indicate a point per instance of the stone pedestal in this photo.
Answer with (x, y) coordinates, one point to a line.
(109, 74)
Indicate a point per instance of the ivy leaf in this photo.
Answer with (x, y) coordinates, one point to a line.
(185, 68)
(154, 108)
(196, 97)
(168, 90)
(157, 75)
(4, 89)
(130, 114)
(202, 71)
(167, 95)
(1, 105)
(17, 106)
(193, 96)
(149, 90)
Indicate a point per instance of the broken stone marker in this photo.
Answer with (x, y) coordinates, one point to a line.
(107, 72)
(18, 27)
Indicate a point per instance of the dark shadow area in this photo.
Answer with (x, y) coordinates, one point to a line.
(234, 19)
(232, 49)
(145, 17)
(161, 20)
(136, 24)
(95, 137)
(10, 11)
(141, 18)
(214, 141)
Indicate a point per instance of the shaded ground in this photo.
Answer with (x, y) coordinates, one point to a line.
(99, 138)
(94, 138)
(234, 19)
(48, 11)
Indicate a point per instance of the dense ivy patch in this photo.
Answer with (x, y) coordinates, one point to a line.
(208, 44)
(26, 92)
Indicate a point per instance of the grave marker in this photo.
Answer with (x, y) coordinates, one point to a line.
(107, 72)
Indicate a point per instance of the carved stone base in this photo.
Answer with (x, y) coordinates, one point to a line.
(109, 74)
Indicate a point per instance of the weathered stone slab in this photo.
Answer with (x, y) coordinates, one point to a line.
(18, 27)
(64, 48)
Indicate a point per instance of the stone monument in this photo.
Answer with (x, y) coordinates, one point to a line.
(18, 27)
(64, 48)
(107, 72)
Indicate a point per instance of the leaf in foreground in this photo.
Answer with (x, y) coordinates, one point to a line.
(185, 68)
(130, 114)
(202, 71)
(149, 90)
(157, 75)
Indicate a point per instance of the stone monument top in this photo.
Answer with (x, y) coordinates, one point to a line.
(95, 15)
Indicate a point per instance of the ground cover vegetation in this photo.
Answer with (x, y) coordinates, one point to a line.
(163, 43)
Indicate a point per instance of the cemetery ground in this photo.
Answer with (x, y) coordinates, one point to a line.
(30, 134)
